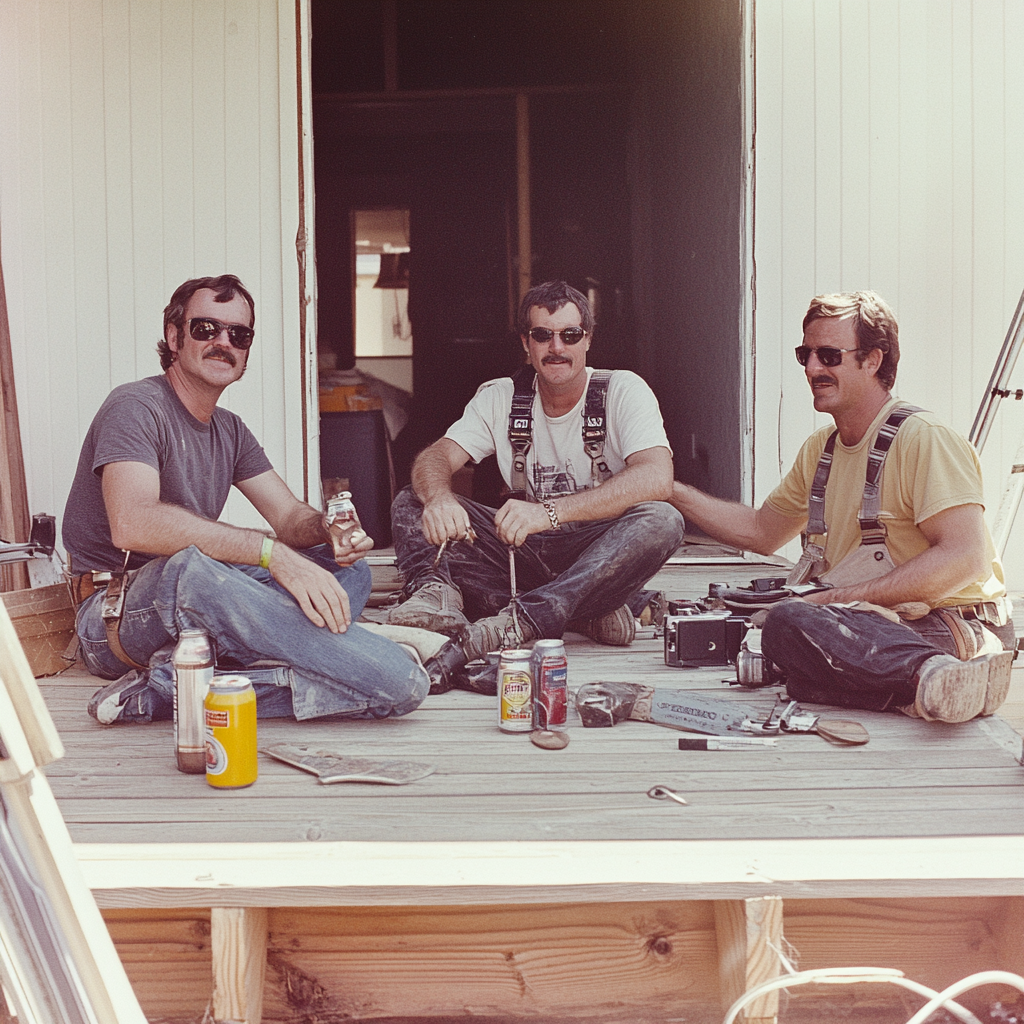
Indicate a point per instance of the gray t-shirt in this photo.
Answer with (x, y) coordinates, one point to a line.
(145, 421)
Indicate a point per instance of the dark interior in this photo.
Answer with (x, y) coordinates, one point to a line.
(636, 161)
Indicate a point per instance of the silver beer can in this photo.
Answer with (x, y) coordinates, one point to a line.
(340, 508)
(515, 692)
(549, 668)
(342, 522)
(193, 671)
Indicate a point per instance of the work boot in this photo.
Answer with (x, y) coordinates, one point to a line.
(446, 667)
(616, 629)
(494, 633)
(422, 643)
(1000, 667)
(128, 699)
(449, 670)
(950, 690)
(433, 605)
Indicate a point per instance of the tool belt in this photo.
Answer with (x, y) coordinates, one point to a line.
(993, 613)
(84, 586)
(115, 585)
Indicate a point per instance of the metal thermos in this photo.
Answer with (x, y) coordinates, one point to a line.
(193, 671)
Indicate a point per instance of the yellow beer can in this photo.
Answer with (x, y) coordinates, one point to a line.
(230, 714)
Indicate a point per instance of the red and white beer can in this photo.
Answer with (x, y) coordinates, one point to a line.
(550, 685)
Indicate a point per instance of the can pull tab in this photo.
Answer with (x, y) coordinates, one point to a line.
(664, 793)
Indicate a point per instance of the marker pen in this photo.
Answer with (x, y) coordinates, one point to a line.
(724, 742)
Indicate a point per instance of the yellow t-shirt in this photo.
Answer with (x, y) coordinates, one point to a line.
(929, 468)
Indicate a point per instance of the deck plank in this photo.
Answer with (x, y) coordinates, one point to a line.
(913, 779)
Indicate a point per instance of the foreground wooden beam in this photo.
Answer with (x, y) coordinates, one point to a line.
(409, 873)
(238, 938)
(58, 954)
(749, 934)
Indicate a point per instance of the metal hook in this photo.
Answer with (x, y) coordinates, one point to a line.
(469, 536)
(442, 547)
(515, 596)
(664, 793)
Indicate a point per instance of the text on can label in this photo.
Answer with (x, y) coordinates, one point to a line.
(217, 719)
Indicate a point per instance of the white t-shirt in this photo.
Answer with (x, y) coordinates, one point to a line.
(557, 462)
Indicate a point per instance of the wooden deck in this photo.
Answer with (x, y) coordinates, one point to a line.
(919, 833)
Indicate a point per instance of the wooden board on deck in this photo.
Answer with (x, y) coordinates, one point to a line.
(913, 781)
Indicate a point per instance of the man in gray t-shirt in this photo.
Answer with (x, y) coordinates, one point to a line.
(154, 474)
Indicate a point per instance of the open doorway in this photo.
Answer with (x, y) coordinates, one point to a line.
(634, 167)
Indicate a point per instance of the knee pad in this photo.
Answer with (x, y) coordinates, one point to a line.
(782, 621)
(663, 520)
(188, 558)
(405, 499)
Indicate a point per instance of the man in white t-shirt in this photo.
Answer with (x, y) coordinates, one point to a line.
(587, 532)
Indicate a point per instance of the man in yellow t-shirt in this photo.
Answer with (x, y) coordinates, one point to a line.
(938, 643)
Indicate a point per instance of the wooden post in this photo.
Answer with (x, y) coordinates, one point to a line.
(238, 939)
(14, 517)
(744, 929)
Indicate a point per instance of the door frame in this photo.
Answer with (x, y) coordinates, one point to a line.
(748, 277)
(306, 253)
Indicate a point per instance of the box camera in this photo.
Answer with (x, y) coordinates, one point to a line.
(697, 638)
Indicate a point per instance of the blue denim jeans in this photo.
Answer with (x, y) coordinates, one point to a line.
(852, 658)
(306, 670)
(580, 571)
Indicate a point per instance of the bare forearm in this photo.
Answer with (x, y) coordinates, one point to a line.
(955, 558)
(432, 475)
(627, 488)
(732, 523)
(162, 529)
(929, 577)
(304, 528)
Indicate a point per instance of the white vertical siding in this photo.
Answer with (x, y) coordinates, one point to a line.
(143, 143)
(889, 148)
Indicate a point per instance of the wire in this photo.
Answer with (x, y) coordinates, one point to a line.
(981, 978)
(859, 975)
(923, 990)
(828, 975)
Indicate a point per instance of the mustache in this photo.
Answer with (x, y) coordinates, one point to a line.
(223, 353)
(554, 359)
(823, 378)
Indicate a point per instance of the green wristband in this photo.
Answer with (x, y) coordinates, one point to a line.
(266, 551)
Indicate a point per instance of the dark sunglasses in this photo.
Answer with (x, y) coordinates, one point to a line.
(205, 328)
(570, 336)
(827, 356)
